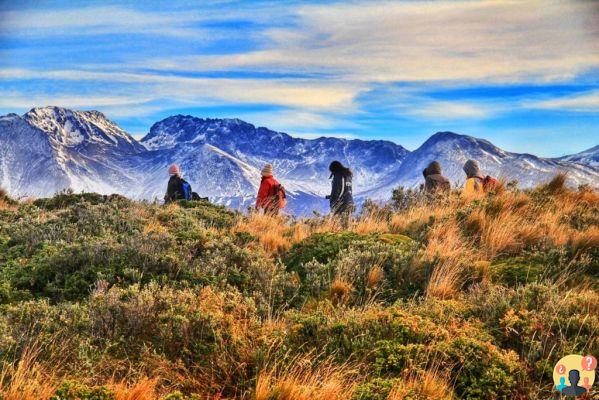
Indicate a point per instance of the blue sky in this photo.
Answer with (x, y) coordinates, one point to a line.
(523, 74)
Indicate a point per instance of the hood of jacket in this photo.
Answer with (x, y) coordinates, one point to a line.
(433, 168)
(471, 169)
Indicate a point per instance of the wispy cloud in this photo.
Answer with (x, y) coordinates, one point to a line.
(98, 20)
(450, 110)
(204, 91)
(423, 41)
(586, 102)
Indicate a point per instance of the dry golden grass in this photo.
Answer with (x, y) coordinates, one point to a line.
(431, 385)
(26, 379)
(302, 381)
(374, 222)
(273, 232)
(586, 240)
(340, 291)
(154, 227)
(143, 389)
(375, 277)
(507, 224)
(451, 252)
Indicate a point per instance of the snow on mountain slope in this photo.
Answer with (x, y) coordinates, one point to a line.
(453, 150)
(299, 161)
(216, 174)
(588, 157)
(81, 128)
(50, 149)
(28, 162)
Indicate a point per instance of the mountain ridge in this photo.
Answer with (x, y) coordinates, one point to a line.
(86, 151)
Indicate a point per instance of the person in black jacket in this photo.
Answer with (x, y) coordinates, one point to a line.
(434, 181)
(178, 188)
(341, 199)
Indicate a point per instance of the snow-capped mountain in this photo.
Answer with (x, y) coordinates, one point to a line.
(50, 149)
(301, 163)
(588, 157)
(453, 150)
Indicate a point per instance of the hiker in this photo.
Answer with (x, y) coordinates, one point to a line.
(341, 199)
(476, 182)
(271, 195)
(434, 181)
(178, 188)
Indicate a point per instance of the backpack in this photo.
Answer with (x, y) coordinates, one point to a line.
(187, 194)
(490, 184)
(279, 197)
(197, 197)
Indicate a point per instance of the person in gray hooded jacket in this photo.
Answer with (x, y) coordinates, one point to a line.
(434, 181)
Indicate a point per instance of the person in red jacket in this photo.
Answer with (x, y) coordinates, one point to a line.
(271, 195)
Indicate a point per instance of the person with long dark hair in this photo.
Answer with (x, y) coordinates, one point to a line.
(341, 198)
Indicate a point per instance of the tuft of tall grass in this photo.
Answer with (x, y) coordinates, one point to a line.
(142, 389)
(429, 385)
(304, 381)
(26, 379)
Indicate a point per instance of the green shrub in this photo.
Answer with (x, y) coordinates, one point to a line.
(322, 247)
(375, 389)
(539, 322)
(67, 199)
(211, 214)
(78, 391)
(483, 372)
(325, 247)
(393, 357)
(516, 271)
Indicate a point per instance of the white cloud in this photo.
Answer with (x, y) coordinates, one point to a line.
(19, 101)
(355, 46)
(208, 91)
(98, 20)
(449, 110)
(586, 102)
(425, 41)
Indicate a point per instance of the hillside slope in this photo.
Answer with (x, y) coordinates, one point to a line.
(106, 298)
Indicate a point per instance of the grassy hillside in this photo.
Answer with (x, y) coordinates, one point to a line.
(105, 298)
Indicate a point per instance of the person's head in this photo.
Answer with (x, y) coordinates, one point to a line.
(267, 170)
(432, 169)
(471, 169)
(174, 170)
(574, 377)
(337, 168)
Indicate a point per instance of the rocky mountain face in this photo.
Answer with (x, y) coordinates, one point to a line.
(51, 149)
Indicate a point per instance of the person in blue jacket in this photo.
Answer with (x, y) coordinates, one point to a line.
(341, 198)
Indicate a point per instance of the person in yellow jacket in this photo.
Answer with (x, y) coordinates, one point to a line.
(474, 179)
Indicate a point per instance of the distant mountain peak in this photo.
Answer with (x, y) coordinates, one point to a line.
(178, 129)
(446, 135)
(72, 128)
